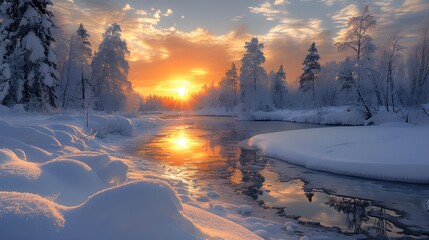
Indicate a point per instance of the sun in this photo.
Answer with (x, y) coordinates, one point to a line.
(182, 91)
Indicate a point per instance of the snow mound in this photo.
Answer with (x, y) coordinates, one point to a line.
(28, 135)
(136, 210)
(70, 181)
(109, 171)
(29, 216)
(244, 209)
(379, 152)
(105, 125)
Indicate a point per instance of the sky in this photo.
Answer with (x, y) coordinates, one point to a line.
(184, 44)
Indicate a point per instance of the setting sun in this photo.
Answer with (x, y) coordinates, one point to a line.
(182, 92)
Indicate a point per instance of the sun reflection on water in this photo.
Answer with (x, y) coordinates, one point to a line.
(183, 145)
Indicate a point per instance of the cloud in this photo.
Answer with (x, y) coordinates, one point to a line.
(332, 2)
(268, 10)
(341, 17)
(127, 7)
(168, 13)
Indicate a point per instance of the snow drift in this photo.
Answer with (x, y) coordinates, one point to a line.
(394, 152)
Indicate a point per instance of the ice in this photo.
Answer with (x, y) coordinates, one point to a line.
(394, 153)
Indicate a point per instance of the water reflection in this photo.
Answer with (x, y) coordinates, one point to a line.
(205, 151)
(183, 145)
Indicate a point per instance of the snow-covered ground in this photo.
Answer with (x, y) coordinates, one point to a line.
(391, 151)
(348, 115)
(59, 180)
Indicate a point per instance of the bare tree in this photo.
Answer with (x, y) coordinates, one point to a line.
(419, 67)
(390, 53)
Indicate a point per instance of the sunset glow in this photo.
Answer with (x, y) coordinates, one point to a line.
(198, 40)
(182, 92)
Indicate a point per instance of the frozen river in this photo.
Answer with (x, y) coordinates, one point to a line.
(210, 154)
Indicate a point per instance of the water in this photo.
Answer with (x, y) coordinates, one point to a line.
(207, 152)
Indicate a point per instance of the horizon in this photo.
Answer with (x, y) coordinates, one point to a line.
(176, 48)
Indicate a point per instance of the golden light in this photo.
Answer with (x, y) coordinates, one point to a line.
(182, 91)
(181, 141)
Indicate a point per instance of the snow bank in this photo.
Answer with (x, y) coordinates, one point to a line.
(397, 152)
(48, 159)
(136, 210)
(342, 115)
(105, 125)
(29, 216)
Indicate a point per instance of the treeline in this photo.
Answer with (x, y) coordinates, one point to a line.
(43, 70)
(388, 76)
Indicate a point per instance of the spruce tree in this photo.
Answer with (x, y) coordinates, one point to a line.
(110, 71)
(229, 88)
(26, 39)
(79, 71)
(254, 89)
(278, 88)
(311, 69)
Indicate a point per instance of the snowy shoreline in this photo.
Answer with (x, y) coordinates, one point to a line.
(392, 152)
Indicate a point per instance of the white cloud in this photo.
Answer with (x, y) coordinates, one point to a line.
(127, 7)
(168, 13)
(279, 2)
(342, 16)
(268, 10)
(332, 2)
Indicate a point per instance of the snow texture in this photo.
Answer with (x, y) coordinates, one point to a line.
(393, 151)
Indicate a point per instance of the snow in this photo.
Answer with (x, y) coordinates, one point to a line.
(376, 152)
(59, 181)
(340, 115)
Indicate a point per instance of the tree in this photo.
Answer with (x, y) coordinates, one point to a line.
(254, 91)
(278, 88)
(110, 71)
(359, 41)
(311, 69)
(79, 70)
(229, 88)
(419, 67)
(27, 55)
(390, 54)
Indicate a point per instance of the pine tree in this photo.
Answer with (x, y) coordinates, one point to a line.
(229, 88)
(311, 69)
(78, 74)
(278, 88)
(26, 38)
(110, 71)
(254, 91)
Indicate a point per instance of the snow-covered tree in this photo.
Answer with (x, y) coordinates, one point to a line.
(27, 59)
(360, 42)
(110, 71)
(254, 84)
(278, 88)
(311, 69)
(77, 85)
(229, 88)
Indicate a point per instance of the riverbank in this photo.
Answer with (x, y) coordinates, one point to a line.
(349, 115)
(392, 152)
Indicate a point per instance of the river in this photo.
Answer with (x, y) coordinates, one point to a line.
(209, 154)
